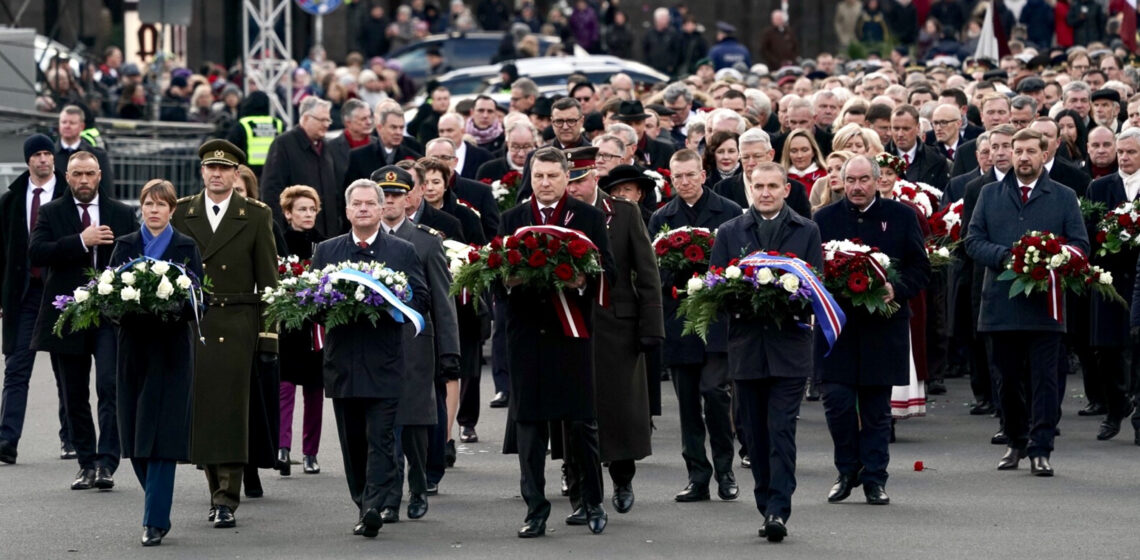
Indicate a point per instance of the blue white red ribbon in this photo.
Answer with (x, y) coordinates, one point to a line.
(828, 314)
(399, 310)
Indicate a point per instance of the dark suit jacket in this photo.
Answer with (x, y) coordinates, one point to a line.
(929, 166)
(1110, 321)
(493, 169)
(757, 349)
(689, 349)
(969, 133)
(106, 183)
(14, 267)
(472, 227)
(893, 228)
(1065, 173)
(999, 220)
(441, 221)
(293, 161)
(474, 159)
(657, 152)
(361, 360)
(364, 160)
(734, 190)
(956, 189)
(965, 158)
(56, 246)
(552, 375)
(480, 196)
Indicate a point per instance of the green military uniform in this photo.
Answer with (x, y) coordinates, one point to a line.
(240, 259)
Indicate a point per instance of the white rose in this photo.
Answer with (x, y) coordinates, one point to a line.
(1056, 261)
(1031, 249)
(80, 295)
(140, 266)
(764, 276)
(883, 260)
(695, 284)
(129, 294)
(270, 299)
(160, 267)
(790, 283)
(106, 277)
(732, 272)
(1105, 278)
(943, 252)
(359, 295)
(128, 278)
(183, 282)
(164, 289)
(105, 288)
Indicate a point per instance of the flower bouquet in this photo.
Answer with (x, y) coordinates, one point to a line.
(922, 195)
(945, 234)
(683, 251)
(340, 294)
(505, 190)
(145, 287)
(291, 267)
(859, 274)
(755, 292)
(662, 185)
(1119, 229)
(1042, 262)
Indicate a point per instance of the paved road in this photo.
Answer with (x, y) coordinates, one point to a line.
(960, 507)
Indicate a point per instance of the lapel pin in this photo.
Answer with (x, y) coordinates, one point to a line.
(241, 211)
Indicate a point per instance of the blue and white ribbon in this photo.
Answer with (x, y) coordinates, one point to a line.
(399, 310)
(827, 312)
(195, 289)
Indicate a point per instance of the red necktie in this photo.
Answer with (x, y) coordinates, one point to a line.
(1024, 194)
(86, 217)
(362, 244)
(547, 214)
(950, 153)
(36, 192)
(906, 158)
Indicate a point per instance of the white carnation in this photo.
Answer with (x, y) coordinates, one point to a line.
(695, 284)
(105, 288)
(732, 272)
(183, 282)
(883, 260)
(943, 252)
(764, 276)
(81, 295)
(1105, 278)
(790, 283)
(160, 267)
(128, 278)
(128, 293)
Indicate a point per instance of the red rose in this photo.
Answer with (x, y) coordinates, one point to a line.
(858, 282)
(1038, 273)
(281, 269)
(733, 262)
(473, 256)
(956, 232)
(749, 271)
(674, 292)
(791, 255)
(514, 257)
(298, 269)
(553, 245)
(579, 248)
(564, 272)
(1101, 236)
(512, 242)
(694, 253)
(486, 180)
(531, 242)
(1124, 220)
(1053, 246)
(1034, 241)
(497, 244)
(773, 253)
(494, 260)
(537, 259)
(511, 176)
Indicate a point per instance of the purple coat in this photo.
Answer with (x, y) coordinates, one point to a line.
(584, 25)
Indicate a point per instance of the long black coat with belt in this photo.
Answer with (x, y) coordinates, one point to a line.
(873, 350)
(155, 371)
(14, 268)
(757, 349)
(552, 375)
(689, 349)
(293, 160)
(1109, 321)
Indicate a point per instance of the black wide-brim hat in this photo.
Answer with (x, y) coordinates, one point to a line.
(627, 174)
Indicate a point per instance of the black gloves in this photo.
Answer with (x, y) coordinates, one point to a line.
(449, 366)
(650, 343)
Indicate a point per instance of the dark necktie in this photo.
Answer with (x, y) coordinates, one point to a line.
(36, 271)
(1024, 194)
(547, 214)
(906, 158)
(950, 153)
(86, 217)
(362, 244)
(217, 209)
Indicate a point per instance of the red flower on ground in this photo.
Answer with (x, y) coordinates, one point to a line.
(537, 259)
(564, 272)
(694, 253)
(858, 282)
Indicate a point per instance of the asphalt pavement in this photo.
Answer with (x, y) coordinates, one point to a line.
(959, 506)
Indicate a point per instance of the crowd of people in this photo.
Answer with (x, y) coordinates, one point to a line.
(770, 159)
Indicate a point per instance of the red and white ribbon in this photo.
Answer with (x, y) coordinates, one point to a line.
(875, 266)
(1056, 291)
(318, 337)
(573, 323)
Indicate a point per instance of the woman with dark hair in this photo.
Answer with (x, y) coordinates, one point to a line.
(722, 157)
(132, 102)
(1074, 135)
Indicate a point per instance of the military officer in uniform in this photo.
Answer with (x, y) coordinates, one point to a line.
(235, 236)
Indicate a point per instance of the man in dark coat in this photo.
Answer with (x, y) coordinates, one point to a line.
(234, 235)
(661, 45)
(727, 51)
(995, 111)
(301, 157)
(755, 149)
(22, 289)
(699, 371)
(71, 124)
(552, 374)
(1026, 340)
(416, 414)
(1109, 321)
(631, 323)
(924, 163)
(469, 157)
(372, 35)
(73, 234)
(472, 193)
(364, 364)
(651, 152)
(855, 380)
(769, 362)
(387, 149)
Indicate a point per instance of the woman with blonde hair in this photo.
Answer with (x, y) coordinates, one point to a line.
(802, 158)
(829, 188)
(853, 111)
(856, 139)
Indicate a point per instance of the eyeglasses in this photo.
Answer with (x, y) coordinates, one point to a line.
(944, 123)
(563, 123)
(520, 147)
(607, 157)
(324, 120)
(583, 99)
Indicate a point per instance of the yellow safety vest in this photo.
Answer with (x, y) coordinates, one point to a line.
(91, 135)
(260, 130)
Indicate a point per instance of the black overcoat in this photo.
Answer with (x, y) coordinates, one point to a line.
(293, 160)
(1109, 321)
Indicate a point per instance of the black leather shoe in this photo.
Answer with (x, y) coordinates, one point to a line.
(213, 514)
(565, 484)
(597, 518)
(579, 517)
(500, 401)
(310, 464)
(282, 465)
(774, 529)
(370, 524)
(152, 536)
(532, 528)
(389, 515)
(67, 451)
(1108, 429)
(417, 506)
(449, 453)
(1039, 466)
(103, 479)
(84, 480)
(224, 518)
(726, 487)
(842, 487)
(1136, 438)
(432, 488)
(876, 494)
(7, 453)
(812, 392)
(623, 498)
(693, 493)
(762, 532)
(935, 387)
(1011, 458)
(252, 484)
(745, 462)
(1093, 409)
(1000, 438)
(982, 408)
(469, 435)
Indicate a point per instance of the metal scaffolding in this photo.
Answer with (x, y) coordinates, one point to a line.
(267, 57)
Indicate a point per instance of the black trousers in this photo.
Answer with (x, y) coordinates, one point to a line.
(470, 371)
(18, 370)
(859, 419)
(581, 459)
(437, 436)
(1114, 366)
(411, 446)
(500, 371)
(653, 369)
(1026, 362)
(75, 372)
(708, 382)
(367, 443)
(937, 332)
(770, 407)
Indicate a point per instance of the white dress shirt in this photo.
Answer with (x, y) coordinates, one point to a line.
(216, 217)
(93, 213)
(1131, 184)
(392, 229)
(460, 157)
(371, 239)
(45, 197)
